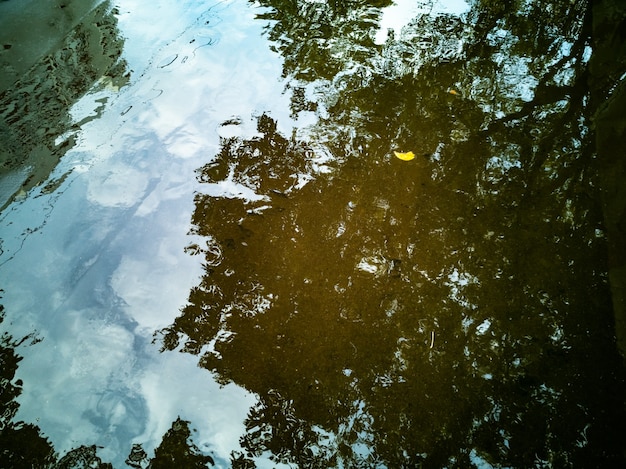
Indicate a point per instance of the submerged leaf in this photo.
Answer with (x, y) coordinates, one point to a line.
(408, 156)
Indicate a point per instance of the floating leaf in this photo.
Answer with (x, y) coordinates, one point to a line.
(408, 156)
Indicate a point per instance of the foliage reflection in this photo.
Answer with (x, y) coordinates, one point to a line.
(448, 311)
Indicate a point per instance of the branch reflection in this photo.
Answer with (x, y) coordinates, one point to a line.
(448, 311)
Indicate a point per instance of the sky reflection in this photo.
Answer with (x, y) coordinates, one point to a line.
(97, 265)
(345, 307)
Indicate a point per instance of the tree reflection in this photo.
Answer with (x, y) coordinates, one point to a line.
(176, 450)
(449, 311)
(21, 445)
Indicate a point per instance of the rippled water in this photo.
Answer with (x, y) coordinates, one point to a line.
(207, 227)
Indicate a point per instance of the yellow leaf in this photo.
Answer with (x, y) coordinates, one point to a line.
(455, 92)
(408, 156)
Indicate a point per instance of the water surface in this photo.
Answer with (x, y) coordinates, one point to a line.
(227, 258)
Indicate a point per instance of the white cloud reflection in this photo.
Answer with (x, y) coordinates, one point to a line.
(98, 265)
(400, 13)
(116, 185)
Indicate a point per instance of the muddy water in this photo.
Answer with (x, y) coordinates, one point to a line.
(376, 228)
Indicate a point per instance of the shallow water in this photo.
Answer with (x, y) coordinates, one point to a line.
(211, 230)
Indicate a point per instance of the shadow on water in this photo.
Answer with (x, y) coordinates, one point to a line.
(452, 310)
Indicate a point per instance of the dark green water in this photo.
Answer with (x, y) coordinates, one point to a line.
(453, 310)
